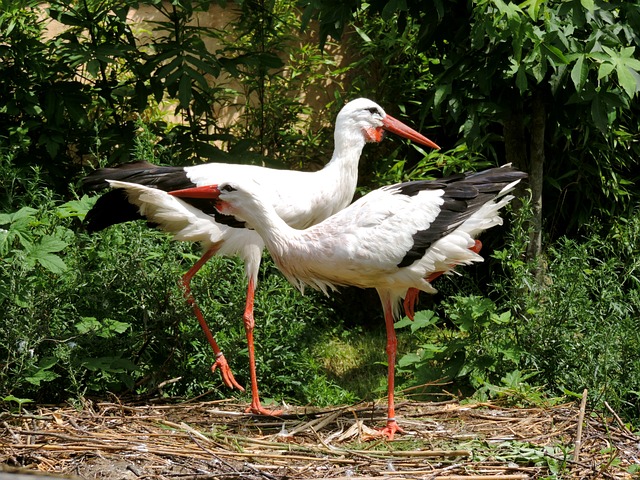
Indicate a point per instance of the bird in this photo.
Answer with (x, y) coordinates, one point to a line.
(300, 198)
(396, 239)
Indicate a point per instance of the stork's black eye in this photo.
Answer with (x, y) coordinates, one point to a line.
(228, 188)
(373, 110)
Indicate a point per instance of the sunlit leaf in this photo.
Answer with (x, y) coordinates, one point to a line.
(51, 262)
(605, 69)
(628, 81)
(588, 4)
(362, 34)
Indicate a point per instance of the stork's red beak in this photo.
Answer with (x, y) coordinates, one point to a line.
(207, 191)
(396, 126)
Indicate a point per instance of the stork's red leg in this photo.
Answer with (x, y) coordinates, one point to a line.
(410, 300)
(249, 325)
(220, 362)
(392, 426)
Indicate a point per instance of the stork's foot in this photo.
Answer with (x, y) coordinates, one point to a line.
(225, 370)
(258, 409)
(390, 430)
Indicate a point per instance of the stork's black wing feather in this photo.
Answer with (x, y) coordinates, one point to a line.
(463, 195)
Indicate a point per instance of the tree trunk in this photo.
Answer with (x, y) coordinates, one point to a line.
(515, 144)
(536, 172)
(532, 162)
(515, 147)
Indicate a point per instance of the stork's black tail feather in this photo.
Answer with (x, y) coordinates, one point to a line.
(142, 173)
(113, 206)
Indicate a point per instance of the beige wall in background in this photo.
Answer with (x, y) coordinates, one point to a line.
(217, 17)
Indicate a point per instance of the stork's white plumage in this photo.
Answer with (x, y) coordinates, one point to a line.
(301, 199)
(395, 239)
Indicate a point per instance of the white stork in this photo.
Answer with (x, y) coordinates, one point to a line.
(301, 199)
(395, 239)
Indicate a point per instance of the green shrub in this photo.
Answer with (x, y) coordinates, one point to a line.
(86, 314)
(114, 319)
(581, 328)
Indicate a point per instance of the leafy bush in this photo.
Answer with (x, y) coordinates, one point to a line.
(110, 315)
(88, 314)
(85, 314)
(581, 328)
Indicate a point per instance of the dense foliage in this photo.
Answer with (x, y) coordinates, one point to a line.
(551, 86)
(89, 314)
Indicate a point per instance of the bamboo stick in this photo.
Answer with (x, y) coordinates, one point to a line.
(578, 442)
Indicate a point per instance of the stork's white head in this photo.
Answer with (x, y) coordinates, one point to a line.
(362, 116)
(363, 119)
(239, 198)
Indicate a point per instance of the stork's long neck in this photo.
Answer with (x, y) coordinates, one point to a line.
(342, 169)
(278, 236)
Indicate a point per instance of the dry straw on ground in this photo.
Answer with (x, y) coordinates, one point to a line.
(444, 441)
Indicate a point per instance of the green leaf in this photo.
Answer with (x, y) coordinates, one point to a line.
(22, 214)
(442, 91)
(51, 244)
(409, 359)
(393, 6)
(109, 364)
(363, 35)
(521, 80)
(4, 242)
(43, 252)
(605, 69)
(196, 76)
(93, 67)
(52, 262)
(533, 8)
(115, 326)
(555, 54)
(423, 318)
(106, 328)
(76, 208)
(87, 324)
(204, 67)
(42, 375)
(579, 73)
(19, 401)
(503, 318)
(588, 4)
(269, 60)
(184, 91)
(599, 113)
(627, 79)
(404, 322)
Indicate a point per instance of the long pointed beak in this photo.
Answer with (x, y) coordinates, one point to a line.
(207, 191)
(396, 126)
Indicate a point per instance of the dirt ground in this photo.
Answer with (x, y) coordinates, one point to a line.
(445, 441)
